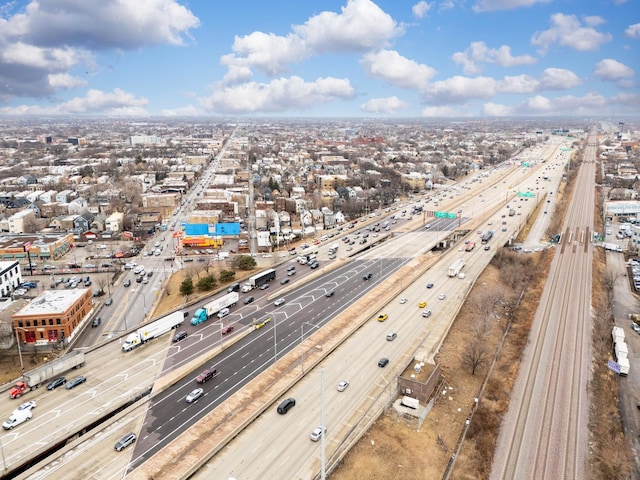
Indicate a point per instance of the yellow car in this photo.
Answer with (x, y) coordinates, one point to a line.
(422, 304)
(382, 317)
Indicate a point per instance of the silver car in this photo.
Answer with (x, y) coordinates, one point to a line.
(194, 395)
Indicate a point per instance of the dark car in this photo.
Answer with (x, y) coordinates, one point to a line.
(367, 276)
(383, 362)
(74, 382)
(96, 322)
(429, 285)
(286, 405)
(330, 294)
(125, 441)
(185, 313)
(127, 282)
(264, 286)
(248, 300)
(179, 336)
(139, 279)
(314, 265)
(56, 382)
(208, 374)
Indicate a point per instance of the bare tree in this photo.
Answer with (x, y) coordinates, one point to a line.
(475, 356)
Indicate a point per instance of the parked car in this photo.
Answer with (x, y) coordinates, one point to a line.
(125, 441)
(108, 301)
(74, 382)
(96, 322)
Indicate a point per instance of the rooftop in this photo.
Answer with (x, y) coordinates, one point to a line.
(52, 302)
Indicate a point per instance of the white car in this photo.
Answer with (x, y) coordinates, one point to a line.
(403, 301)
(342, 386)
(25, 406)
(317, 433)
(194, 395)
(442, 296)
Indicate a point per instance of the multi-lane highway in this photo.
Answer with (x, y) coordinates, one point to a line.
(307, 308)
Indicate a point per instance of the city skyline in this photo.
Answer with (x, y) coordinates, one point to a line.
(348, 58)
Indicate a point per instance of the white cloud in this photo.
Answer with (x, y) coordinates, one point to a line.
(459, 89)
(497, 110)
(124, 24)
(633, 31)
(612, 70)
(589, 104)
(446, 5)
(441, 112)
(518, 84)
(265, 51)
(237, 74)
(361, 26)
(279, 95)
(558, 79)
(566, 30)
(64, 80)
(420, 9)
(41, 43)
(383, 105)
(627, 99)
(550, 79)
(478, 52)
(187, 111)
(397, 70)
(96, 102)
(492, 5)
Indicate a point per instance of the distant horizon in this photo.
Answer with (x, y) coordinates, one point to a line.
(440, 59)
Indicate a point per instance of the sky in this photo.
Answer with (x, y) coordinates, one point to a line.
(320, 58)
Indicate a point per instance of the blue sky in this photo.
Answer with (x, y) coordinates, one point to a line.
(320, 58)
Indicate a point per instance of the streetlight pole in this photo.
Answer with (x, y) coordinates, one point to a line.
(19, 350)
(324, 429)
(302, 341)
(275, 342)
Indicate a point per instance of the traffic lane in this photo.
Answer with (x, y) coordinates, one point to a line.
(111, 382)
(253, 354)
(270, 438)
(81, 461)
(169, 413)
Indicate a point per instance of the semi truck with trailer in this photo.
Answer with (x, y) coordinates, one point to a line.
(152, 330)
(34, 378)
(210, 309)
(455, 268)
(258, 280)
